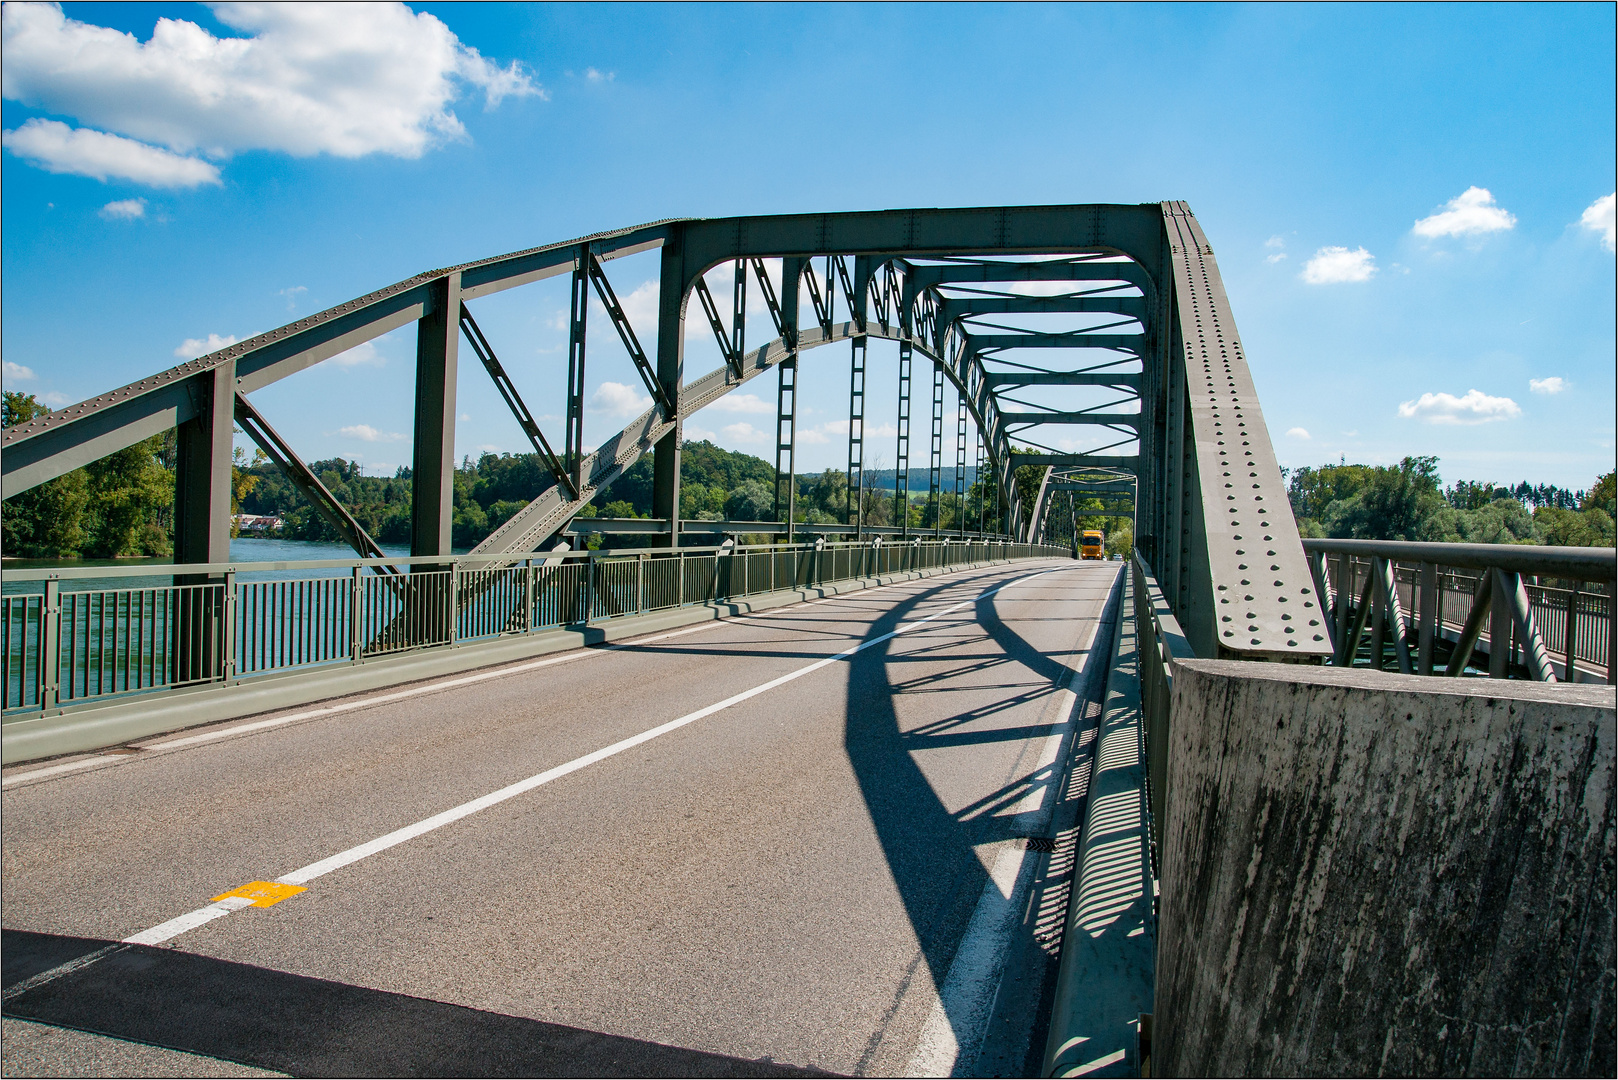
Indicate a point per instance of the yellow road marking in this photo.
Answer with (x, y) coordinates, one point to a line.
(264, 893)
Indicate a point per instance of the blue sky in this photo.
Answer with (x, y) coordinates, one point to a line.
(1411, 206)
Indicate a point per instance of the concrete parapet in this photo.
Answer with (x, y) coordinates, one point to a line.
(1367, 874)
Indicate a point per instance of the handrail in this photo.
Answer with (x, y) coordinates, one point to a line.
(67, 570)
(1576, 563)
(109, 633)
(1408, 598)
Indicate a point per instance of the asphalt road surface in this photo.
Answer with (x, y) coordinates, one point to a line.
(791, 843)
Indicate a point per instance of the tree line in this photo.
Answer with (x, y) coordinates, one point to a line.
(123, 504)
(1408, 501)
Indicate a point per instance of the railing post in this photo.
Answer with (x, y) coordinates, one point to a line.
(1570, 637)
(587, 587)
(356, 620)
(679, 580)
(227, 630)
(1500, 625)
(1427, 628)
(528, 596)
(452, 621)
(640, 583)
(50, 643)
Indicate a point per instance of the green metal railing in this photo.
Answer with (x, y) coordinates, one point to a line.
(1162, 645)
(64, 648)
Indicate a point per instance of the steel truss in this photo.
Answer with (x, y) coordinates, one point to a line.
(1023, 310)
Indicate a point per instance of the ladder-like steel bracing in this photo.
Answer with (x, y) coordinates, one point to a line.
(1119, 306)
(855, 494)
(901, 469)
(935, 448)
(960, 467)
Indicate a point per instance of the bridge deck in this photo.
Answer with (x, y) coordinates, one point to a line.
(790, 877)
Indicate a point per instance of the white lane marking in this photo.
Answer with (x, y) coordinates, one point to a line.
(954, 1029)
(58, 971)
(582, 653)
(189, 921)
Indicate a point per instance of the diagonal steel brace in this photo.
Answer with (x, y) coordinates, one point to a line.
(615, 312)
(307, 483)
(508, 390)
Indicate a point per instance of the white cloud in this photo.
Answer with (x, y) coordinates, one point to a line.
(17, 371)
(364, 354)
(57, 148)
(1276, 243)
(640, 308)
(292, 293)
(596, 76)
(1332, 265)
(1471, 213)
(370, 434)
(742, 403)
(618, 399)
(340, 79)
(55, 399)
(1297, 433)
(1474, 407)
(191, 348)
(811, 437)
(124, 210)
(1597, 217)
(1553, 385)
(743, 432)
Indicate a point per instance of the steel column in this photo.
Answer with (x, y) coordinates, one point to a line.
(202, 522)
(433, 466)
(671, 373)
(579, 311)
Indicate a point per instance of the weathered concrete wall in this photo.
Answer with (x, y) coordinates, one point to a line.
(1366, 874)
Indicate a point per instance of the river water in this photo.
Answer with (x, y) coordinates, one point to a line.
(242, 549)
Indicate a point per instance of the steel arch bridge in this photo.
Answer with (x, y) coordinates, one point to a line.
(1006, 306)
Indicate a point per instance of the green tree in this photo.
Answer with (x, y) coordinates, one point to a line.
(46, 521)
(1602, 496)
(1392, 502)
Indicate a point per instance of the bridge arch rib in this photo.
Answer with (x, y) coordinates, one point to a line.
(962, 290)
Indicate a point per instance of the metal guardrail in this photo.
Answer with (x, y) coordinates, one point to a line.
(65, 648)
(1441, 608)
(1162, 645)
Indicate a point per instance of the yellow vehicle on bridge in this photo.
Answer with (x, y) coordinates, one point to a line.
(1092, 545)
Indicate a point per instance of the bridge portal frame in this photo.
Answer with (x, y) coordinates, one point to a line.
(1213, 513)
